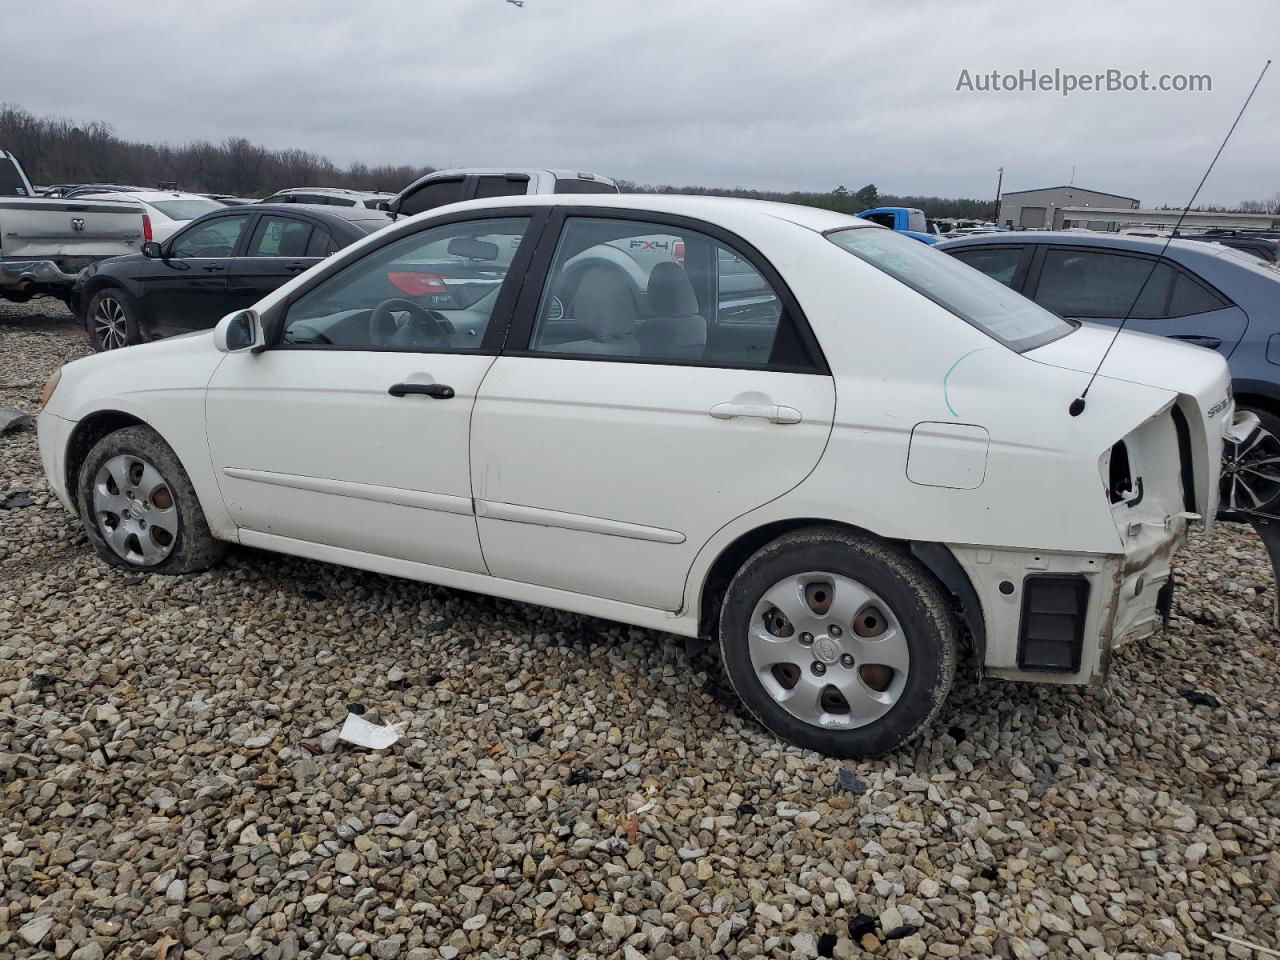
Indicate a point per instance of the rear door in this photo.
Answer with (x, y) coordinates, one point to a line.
(616, 433)
(279, 249)
(1099, 286)
(188, 288)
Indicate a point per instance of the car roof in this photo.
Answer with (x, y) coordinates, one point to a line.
(315, 209)
(1084, 238)
(147, 196)
(560, 173)
(705, 208)
(334, 191)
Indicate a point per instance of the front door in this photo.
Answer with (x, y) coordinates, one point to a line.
(187, 288)
(352, 431)
(642, 411)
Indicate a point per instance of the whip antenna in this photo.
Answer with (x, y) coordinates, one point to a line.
(1078, 404)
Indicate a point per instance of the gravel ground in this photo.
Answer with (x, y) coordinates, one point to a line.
(171, 785)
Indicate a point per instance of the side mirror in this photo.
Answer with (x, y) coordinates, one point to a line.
(239, 331)
(151, 250)
(383, 205)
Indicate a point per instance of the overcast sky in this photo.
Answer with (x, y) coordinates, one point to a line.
(774, 94)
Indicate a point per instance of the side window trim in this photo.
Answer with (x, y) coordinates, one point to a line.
(525, 315)
(499, 320)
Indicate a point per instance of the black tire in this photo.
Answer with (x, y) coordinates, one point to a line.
(191, 547)
(915, 600)
(1268, 492)
(103, 333)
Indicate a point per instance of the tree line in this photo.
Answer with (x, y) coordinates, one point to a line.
(56, 150)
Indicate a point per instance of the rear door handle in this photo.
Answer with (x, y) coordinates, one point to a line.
(215, 268)
(772, 412)
(296, 267)
(1213, 343)
(437, 391)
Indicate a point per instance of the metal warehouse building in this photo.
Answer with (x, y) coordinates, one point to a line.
(1042, 209)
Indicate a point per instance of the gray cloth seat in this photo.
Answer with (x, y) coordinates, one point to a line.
(605, 306)
(676, 331)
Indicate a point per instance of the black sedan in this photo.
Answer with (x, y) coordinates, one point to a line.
(225, 261)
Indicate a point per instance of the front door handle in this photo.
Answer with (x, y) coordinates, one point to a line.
(772, 412)
(437, 391)
(1213, 343)
(214, 268)
(296, 267)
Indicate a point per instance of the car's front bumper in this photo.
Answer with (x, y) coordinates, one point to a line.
(54, 432)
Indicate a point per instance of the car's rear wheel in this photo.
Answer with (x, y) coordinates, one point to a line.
(1251, 471)
(111, 319)
(838, 642)
(139, 507)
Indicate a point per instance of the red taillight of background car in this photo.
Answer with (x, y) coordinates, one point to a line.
(418, 284)
(146, 229)
(677, 251)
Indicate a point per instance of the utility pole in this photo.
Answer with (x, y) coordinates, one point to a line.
(999, 184)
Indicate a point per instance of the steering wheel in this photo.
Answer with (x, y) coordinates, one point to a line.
(424, 328)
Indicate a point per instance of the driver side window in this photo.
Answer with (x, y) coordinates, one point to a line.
(216, 238)
(432, 291)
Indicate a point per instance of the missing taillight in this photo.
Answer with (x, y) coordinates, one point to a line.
(1120, 475)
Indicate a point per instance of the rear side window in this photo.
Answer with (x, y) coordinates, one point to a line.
(432, 195)
(1090, 283)
(584, 186)
(321, 244)
(998, 263)
(972, 296)
(1190, 298)
(501, 186)
(280, 237)
(633, 290)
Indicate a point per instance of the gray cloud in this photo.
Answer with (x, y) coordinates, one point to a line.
(782, 95)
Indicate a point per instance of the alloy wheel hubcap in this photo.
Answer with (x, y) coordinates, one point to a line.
(828, 650)
(1251, 473)
(109, 322)
(134, 510)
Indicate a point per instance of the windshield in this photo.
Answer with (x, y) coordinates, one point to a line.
(185, 209)
(972, 296)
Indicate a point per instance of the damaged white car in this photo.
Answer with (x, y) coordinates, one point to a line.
(837, 451)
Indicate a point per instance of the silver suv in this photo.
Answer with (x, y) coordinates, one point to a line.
(471, 183)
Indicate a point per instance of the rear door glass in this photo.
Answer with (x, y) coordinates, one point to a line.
(501, 186)
(280, 237)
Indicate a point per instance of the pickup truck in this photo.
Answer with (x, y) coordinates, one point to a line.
(45, 243)
(908, 220)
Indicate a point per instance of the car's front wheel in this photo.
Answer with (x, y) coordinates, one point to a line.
(111, 320)
(838, 642)
(139, 507)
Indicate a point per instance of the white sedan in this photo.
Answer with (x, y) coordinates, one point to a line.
(165, 212)
(838, 451)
